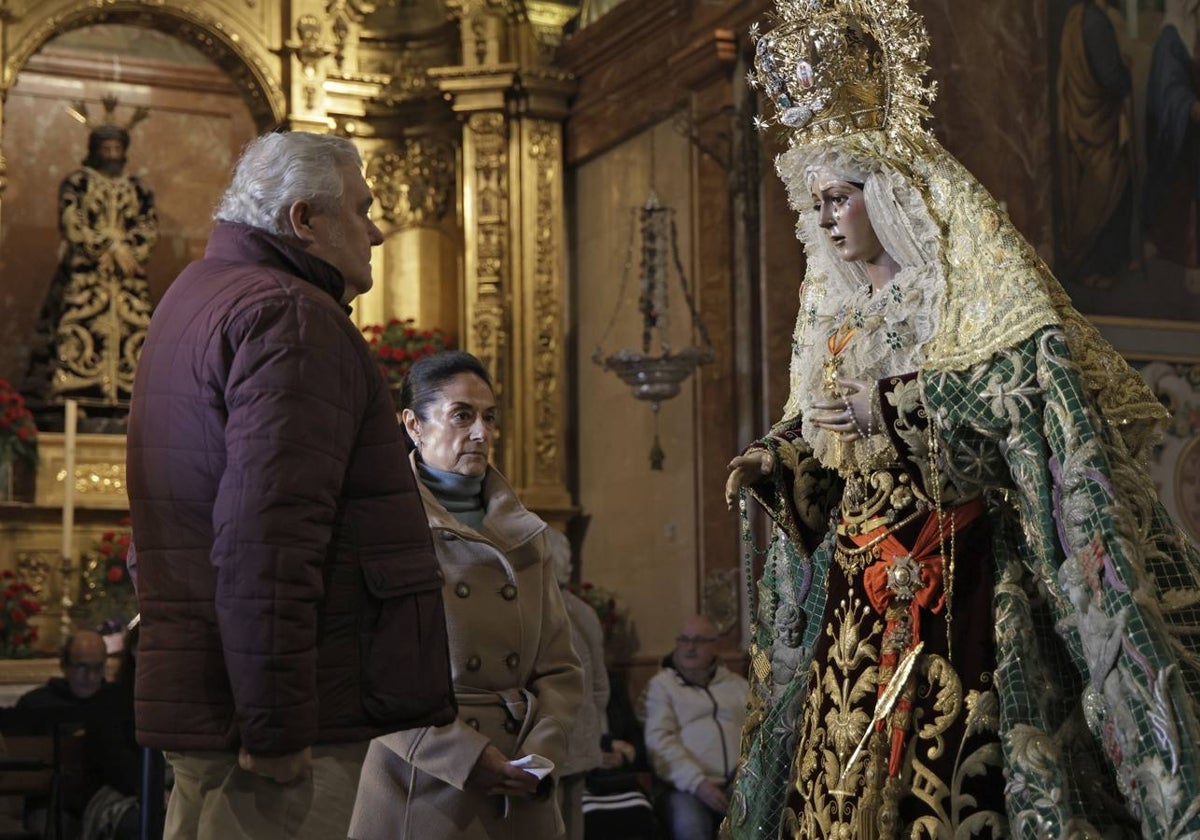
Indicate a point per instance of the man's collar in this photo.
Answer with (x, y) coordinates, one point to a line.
(238, 242)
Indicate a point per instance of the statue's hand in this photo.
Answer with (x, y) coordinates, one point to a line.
(848, 414)
(745, 469)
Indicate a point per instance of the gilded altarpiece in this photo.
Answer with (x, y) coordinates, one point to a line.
(466, 163)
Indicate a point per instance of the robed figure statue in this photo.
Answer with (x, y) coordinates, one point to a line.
(94, 317)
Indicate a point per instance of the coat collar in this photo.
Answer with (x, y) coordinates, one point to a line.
(235, 242)
(507, 524)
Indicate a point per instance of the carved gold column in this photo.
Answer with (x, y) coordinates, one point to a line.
(6, 13)
(514, 307)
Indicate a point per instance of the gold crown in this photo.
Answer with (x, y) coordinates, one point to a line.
(837, 67)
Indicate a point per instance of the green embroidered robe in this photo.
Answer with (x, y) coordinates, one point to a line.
(1095, 607)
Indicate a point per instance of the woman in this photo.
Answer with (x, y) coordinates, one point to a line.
(983, 619)
(587, 638)
(517, 680)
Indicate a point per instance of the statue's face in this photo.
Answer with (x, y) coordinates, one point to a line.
(110, 157)
(841, 212)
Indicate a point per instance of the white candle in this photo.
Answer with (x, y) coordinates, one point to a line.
(68, 518)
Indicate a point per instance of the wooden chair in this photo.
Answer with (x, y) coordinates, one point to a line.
(36, 766)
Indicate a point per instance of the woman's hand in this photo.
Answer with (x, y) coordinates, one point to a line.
(611, 760)
(746, 469)
(850, 417)
(495, 776)
(622, 753)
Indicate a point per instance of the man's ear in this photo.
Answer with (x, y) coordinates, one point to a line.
(300, 217)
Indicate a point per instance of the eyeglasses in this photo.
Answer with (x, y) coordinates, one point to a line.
(87, 667)
(695, 640)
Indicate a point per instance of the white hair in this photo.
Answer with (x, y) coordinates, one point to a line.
(277, 170)
(560, 555)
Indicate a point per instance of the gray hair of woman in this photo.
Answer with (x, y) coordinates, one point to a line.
(277, 170)
(560, 555)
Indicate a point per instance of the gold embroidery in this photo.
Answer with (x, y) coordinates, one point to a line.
(840, 799)
(828, 742)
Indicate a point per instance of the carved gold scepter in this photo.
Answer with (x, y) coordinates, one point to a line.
(887, 701)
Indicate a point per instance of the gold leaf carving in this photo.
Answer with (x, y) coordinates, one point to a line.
(414, 184)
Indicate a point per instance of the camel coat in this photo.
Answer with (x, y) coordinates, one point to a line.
(517, 680)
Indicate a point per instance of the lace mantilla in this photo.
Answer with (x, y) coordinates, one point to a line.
(969, 286)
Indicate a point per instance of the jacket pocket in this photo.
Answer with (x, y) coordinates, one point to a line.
(403, 648)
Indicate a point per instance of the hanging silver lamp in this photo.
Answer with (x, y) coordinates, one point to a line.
(655, 373)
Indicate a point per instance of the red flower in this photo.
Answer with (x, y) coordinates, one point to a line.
(115, 574)
(18, 616)
(124, 522)
(30, 606)
(106, 549)
(23, 433)
(18, 638)
(123, 540)
(8, 574)
(107, 536)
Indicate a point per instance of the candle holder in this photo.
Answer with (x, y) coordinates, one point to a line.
(70, 430)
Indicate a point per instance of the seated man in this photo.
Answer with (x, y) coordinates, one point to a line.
(111, 757)
(695, 708)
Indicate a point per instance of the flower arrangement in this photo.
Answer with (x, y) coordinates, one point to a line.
(397, 344)
(107, 590)
(18, 432)
(17, 607)
(620, 640)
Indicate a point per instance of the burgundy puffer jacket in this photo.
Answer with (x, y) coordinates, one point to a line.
(289, 590)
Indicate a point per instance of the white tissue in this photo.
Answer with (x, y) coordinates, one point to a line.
(535, 765)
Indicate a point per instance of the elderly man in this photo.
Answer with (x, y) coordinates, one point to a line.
(82, 699)
(695, 708)
(290, 595)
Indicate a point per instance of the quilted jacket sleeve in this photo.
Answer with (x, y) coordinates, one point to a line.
(294, 398)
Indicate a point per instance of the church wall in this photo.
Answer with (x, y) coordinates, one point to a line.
(183, 151)
(990, 61)
(641, 536)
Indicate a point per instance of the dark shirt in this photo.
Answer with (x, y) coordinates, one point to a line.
(111, 756)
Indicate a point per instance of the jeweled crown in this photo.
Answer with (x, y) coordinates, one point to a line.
(837, 67)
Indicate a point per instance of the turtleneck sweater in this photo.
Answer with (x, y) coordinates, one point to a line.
(461, 495)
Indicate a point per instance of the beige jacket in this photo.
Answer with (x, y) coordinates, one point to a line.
(517, 681)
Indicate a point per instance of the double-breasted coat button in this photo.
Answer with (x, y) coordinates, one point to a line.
(511, 726)
(512, 661)
(509, 592)
(473, 663)
(473, 723)
(462, 589)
